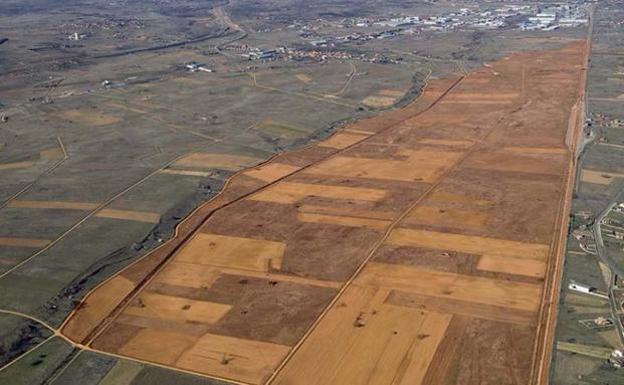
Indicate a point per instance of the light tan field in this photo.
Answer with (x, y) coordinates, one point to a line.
(177, 309)
(446, 142)
(52, 153)
(510, 96)
(53, 205)
(23, 242)
(535, 150)
(173, 171)
(510, 265)
(203, 276)
(379, 101)
(290, 192)
(357, 131)
(486, 291)
(548, 164)
(599, 177)
(271, 172)
(234, 252)
(379, 343)
(493, 102)
(129, 215)
(342, 140)
(16, 165)
(251, 361)
(215, 160)
(304, 78)
(468, 244)
(88, 117)
(101, 303)
(148, 345)
(419, 166)
(446, 305)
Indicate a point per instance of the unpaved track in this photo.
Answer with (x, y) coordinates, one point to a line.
(546, 331)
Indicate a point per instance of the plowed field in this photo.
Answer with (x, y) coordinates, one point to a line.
(410, 248)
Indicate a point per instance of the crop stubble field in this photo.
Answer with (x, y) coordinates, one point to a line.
(377, 256)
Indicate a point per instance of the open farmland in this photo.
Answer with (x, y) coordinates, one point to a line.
(379, 255)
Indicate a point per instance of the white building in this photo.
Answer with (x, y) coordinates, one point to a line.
(581, 288)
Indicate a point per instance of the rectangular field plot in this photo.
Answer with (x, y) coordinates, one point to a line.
(291, 192)
(235, 252)
(378, 343)
(468, 244)
(487, 291)
(420, 165)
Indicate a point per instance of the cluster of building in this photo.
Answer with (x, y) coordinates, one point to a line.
(526, 17)
(612, 227)
(81, 29)
(322, 53)
(355, 36)
(603, 120)
(522, 16)
(287, 53)
(317, 55)
(550, 18)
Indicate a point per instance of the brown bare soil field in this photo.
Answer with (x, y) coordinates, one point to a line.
(535, 150)
(23, 242)
(52, 153)
(342, 140)
(100, 304)
(379, 101)
(271, 172)
(445, 142)
(215, 160)
(53, 205)
(599, 177)
(16, 165)
(414, 247)
(129, 215)
(89, 118)
(304, 78)
(201, 174)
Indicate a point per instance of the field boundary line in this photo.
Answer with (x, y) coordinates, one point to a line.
(418, 201)
(38, 178)
(135, 292)
(547, 318)
(223, 189)
(366, 260)
(18, 358)
(86, 217)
